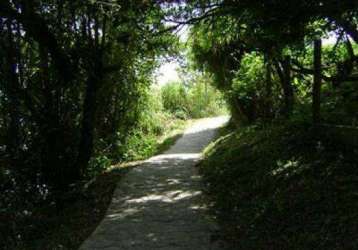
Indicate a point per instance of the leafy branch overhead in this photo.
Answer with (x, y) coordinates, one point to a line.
(78, 93)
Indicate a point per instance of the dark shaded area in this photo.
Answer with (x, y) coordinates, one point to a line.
(75, 82)
(44, 227)
(285, 186)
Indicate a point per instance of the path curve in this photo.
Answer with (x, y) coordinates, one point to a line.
(159, 205)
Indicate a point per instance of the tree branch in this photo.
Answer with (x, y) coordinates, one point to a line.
(37, 28)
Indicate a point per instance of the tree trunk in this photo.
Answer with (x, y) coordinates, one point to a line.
(13, 99)
(317, 82)
(268, 89)
(52, 163)
(237, 112)
(95, 76)
(284, 74)
(89, 118)
(287, 86)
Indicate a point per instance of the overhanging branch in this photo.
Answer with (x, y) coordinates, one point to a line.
(37, 28)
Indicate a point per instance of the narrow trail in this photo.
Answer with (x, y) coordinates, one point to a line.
(159, 205)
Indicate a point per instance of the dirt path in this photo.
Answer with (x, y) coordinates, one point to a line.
(159, 205)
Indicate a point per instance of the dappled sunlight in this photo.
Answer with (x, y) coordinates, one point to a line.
(134, 206)
(161, 201)
(149, 198)
(170, 183)
(160, 159)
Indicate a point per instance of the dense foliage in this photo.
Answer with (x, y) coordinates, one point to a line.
(74, 80)
(261, 54)
(198, 100)
(288, 70)
(76, 96)
(74, 91)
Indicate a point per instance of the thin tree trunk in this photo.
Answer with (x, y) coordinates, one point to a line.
(268, 94)
(284, 74)
(317, 82)
(90, 104)
(51, 162)
(88, 126)
(238, 114)
(287, 86)
(13, 87)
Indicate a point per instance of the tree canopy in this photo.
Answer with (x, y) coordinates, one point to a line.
(76, 76)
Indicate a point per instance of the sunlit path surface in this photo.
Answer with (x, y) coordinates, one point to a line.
(159, 205)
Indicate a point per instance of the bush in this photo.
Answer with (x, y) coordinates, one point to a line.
(153, 122)
(197, 100)
(205, 100)
(175, 98)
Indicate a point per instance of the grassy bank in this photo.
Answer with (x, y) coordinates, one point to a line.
(284, 186)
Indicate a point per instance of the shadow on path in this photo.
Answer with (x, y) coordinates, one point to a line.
(159, 205)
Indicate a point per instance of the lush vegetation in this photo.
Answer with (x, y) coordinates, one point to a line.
(264, 69)
(74, 90)
(74, 82)
(194, 101)
(76, 96)
(283, 176)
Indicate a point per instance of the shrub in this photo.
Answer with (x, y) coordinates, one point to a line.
(196, 100)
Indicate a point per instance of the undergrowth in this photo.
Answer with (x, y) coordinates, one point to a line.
(49, 227)
(283, 186)
(66, 224)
